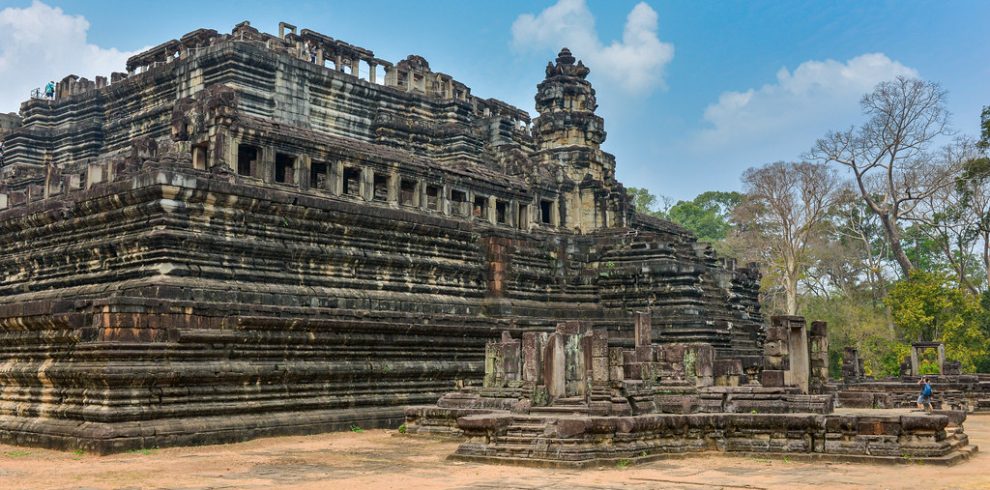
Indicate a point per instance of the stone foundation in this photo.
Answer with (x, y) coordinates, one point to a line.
(593, 441)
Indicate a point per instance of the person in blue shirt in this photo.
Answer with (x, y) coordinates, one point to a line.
(925, 399)
(50, 90)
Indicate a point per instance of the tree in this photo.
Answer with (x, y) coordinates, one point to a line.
(646, 203)
(786, 207)
(984, 142)
(927, 306)
(887, 153)
(707, 215)
(952, 215)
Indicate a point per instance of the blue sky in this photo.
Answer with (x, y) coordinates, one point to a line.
(693, 93)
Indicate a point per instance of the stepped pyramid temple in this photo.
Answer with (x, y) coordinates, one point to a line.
(247, 234)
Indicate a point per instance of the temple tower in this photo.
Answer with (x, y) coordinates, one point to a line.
(568, 135)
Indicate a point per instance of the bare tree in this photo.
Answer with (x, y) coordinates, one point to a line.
(951, 216)
(886, 154)
(786, 205)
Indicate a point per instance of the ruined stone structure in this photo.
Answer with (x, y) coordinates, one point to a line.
(952, 389)
(248, 234)
(568, 399)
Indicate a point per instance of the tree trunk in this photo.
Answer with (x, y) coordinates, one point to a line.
(894, 237)
(791, 292)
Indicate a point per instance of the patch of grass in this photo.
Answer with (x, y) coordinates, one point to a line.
(402, 429)
(623, 464)
(355, 428)
(79, 452)
(18, 453)
(753, 411)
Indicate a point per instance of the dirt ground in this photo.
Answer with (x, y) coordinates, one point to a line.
(382, 459)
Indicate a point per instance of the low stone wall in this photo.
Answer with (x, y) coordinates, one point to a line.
(502, 437)
(970, 393)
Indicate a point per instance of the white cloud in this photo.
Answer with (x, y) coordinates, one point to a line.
(635, 64)
(800, 106)
(41, 43)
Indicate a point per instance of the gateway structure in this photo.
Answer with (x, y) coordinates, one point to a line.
(248, 234)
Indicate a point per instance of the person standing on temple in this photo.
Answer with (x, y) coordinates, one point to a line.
(50, 90)
(925, 398)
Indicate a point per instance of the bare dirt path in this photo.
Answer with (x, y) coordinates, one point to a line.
(376, 459)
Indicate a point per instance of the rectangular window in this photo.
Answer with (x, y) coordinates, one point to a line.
(408, 193)
(285, 168)
(459, 202)
(501, 216)
(352, 181)
(319, 175)
(199, 156)
(247, 160)
(480, 209)
(545, 212)
(523, 219)
(381, 188)
(433, 197)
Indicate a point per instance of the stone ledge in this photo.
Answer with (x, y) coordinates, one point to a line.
(104, 438)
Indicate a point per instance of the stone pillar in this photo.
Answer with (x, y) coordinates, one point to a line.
(491, 209)
(532, 358)
(643, 329)
(336, 178)
(421, 195)
(356, 67)
(445, 200)
(338, 62)
(367, 184)
(915, 366)
(553, 366)
(818, 345)
(850, 364)
(776, 359)
(303, 171)
(4, 202)
(266, 165)
(393, 188)
(372, 72)
(941, 358)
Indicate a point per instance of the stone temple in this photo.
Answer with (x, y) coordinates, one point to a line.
(247, 234)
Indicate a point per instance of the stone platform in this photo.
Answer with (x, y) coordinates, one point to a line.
(576, 441)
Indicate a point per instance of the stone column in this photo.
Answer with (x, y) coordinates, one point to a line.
(643, 329)
(444, 200)
(915, 367)
(818, 345)
(393, 188)
(372, 72)
(367, 184)
(491, 209)
(336, 178)
(941, 358)
(303, 171)
(421, 194)
(337, 62)
(266, 165)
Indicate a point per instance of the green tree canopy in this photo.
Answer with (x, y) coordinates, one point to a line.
(707, 215)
